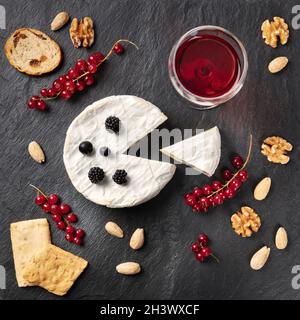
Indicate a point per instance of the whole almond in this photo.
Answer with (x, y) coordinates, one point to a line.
(260, 258)
(36, 152)
(278, 64)
(128, 268)
(59, 21)
(137, 239)
(262, 189)
(113, 229)
(281, 239)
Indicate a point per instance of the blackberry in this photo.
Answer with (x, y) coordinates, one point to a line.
(96, 175)
(120, 177)
(112, 123)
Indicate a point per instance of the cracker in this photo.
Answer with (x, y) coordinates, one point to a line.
(54, 269)
(27, 238)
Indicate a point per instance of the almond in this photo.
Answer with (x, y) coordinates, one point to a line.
(59, 21)
(262, 189)
(259, 258)
(281, 239)
(113, 229)
(137, 239)
(128, 268)
(278, 64)
(36, 152)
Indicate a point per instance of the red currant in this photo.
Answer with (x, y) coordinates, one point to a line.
(71, 217)
(206, 251)
(216, 185)
(211, 202)
(65, 94)
(81, 65)
(200, 257)
(80, 85)
(77, 241)
(80, 233)
(207, 190)
(52, 92)
(31, 104)
(64, 208)
(195, 247)
(70, 86)
(40, 199)
(203, 239)
(243, 175)
(197, 192)
(61, 225)
(46, 207)
(235, 184)
(229, 193)
(89, 80)
(55, 209)
(41, 105)
(118, 48)
(69, 237)
(221, 194)
(44, 92)
(237, 162)
(53, 199)
(190, 200)
(73, 73)
(92, 68)
(62, 79)
(70, 229)
(56, 217)
(99, 57)
(204, 202)
(197, 208)
(227, 174)
(57, 85)
(218, 199)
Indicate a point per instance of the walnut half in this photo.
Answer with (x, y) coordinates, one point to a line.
(246, 222)
(82, 32)
(274, 29)
(275, 149)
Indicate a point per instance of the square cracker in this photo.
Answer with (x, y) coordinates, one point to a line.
(27, 238)
(54, 269)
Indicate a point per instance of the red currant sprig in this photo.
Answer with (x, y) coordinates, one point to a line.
(77, 78)
(201, 199)
(200, 249)
(61, 214)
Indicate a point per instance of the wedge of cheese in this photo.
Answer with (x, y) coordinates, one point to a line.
(201, 152)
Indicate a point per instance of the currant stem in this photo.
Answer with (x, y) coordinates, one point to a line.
(215, 257)
(38, 190)
(242, 168)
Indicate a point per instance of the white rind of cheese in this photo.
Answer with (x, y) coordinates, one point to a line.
(201, 152)
(146, 178)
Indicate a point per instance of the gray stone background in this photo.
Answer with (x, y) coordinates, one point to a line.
(268, 104)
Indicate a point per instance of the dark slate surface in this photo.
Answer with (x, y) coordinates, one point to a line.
(267, 105)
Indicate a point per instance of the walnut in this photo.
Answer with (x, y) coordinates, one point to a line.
(82, 32)
(272, 30)
(275, 149)
(246, 222)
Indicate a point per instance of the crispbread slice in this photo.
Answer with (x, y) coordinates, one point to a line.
(54, 269)
(33, 52)
(27, 238)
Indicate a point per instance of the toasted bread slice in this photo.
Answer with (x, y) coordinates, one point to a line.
(32, 51)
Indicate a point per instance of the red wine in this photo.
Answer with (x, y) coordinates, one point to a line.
(207, 65)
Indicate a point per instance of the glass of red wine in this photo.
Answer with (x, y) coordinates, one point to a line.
(208, 66)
